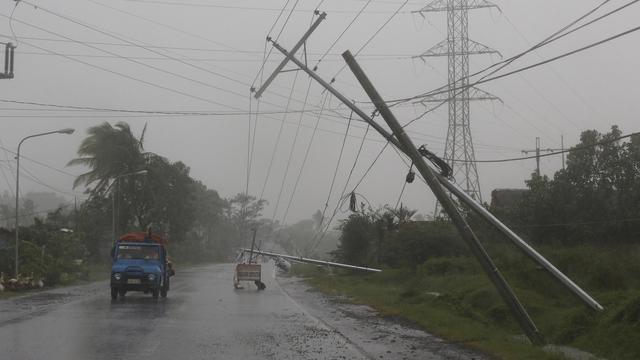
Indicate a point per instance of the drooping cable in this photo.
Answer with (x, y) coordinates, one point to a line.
(343, 32)
(335, 172)
(291, 152)
(246, 189)
(275, 146)
(374, 35)
(304, 161)
(284, 25)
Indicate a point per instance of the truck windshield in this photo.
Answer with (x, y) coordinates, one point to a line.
(138, 252)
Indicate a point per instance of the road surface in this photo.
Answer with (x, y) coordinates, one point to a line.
(205, 318)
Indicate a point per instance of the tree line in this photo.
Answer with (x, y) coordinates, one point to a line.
(594, 200)
(146, 190)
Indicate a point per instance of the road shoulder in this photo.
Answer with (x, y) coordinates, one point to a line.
(376, 336)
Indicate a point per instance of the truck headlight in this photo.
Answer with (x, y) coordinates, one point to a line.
(151, 277)
(117, 276)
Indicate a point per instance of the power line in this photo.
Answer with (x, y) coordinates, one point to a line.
(251, 8)
(344, 31)
(374, 35)
(275, 146)
(130, 77)
(152, 112)
(577, 148)
(577, 223)
(318, 239)
(134, 61)
(38, 212)
(194, 35)
(371, 58)
(304, 161)
(506, 62)
(486, 80)
(555, 36)
(197, 49)
(29, 175)
(286, 171)
(264, 62)
(36, 162)
(335, 173)
(121, 38)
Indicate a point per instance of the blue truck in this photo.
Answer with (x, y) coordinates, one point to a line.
(140, 263)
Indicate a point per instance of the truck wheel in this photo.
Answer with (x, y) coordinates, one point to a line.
(122, 292)
(163, 292)
(114, 293)
(155, 293)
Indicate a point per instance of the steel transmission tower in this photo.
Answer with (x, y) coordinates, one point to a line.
(459, 152)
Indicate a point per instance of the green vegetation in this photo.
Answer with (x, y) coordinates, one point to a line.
(63, 246)
(451, 297)
(586, 220)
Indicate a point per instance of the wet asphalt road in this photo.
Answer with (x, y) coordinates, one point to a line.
(202, 318)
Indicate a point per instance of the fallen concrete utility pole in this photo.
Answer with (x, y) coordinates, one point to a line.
(312, 261)
(524, 319)
(465, 231)
(460, 194)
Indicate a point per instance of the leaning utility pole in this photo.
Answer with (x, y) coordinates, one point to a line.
(400, 140)
(459, 152)
(448, 205)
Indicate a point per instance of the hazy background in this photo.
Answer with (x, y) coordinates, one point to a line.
(591, 90)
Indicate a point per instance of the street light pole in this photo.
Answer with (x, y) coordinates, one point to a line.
(67, 131)
(116, 181)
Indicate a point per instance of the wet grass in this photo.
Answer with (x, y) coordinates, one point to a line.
(94, 272)
(452, 298)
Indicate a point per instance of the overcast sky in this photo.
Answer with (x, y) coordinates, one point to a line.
(221, 45)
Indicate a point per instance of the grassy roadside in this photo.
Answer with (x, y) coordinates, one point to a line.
(94, 272)
(452, 298)
(392, 296)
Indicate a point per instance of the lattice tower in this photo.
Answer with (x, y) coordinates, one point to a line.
(459, 152)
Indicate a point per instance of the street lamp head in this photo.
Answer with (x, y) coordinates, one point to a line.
(141, 172)
(66, 131)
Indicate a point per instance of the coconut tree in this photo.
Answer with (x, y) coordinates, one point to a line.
(108, 152)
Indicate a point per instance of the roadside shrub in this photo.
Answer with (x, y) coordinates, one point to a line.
(448, 266)
(415, 242)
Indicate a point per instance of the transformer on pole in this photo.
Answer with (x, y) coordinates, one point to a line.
(459, 152)
(8, 61)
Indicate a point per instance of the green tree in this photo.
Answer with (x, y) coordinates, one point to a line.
(108, 152)
(594, 199)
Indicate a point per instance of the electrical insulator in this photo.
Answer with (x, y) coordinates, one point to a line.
(410, 176)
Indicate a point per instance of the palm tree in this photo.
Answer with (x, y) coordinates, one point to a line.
(109, 151)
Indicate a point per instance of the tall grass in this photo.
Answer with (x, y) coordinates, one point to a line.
(452, 297)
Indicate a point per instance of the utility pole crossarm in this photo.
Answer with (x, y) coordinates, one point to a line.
(456, 190)
(338, 95)
(284, 62)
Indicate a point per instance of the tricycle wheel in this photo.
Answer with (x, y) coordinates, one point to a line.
(114, 293)
(260, 285)
(163, 292)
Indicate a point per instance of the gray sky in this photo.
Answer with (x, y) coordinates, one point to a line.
(222, 42)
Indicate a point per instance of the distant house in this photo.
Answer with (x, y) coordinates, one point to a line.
(506, 198)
